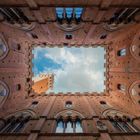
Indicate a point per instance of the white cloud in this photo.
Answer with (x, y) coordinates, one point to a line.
(82, 69)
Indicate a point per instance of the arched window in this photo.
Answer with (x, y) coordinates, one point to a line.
(134, 90)
(60, 126)
(69, 126)
(69, 18)
(121, 121)
(68, 104)
(120, 18)
(3, 49)
(78, 126)
(3, 92)
(123, 124)
(15, 123)
(69, 14)
(15, 17)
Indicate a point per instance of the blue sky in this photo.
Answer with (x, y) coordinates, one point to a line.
(76, 69)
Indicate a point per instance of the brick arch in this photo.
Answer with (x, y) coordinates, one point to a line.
(134, 91)
(135, 47)
(24, 111)
(24, 27)
(73, 28)
(111, 112)
(66, 111)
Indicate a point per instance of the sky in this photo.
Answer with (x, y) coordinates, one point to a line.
(75, 69)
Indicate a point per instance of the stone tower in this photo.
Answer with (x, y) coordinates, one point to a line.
(43, 83)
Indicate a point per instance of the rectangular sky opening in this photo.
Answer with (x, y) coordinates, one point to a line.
(75, 69)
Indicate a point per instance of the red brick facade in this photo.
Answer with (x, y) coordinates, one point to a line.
(120, 101)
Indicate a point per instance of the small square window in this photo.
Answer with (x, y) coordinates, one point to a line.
(121, 52)
(121, 87)
(68, 104)
(68, 36)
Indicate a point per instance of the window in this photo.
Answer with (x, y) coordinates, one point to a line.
(3, 91)
(16, 17)
(34, 36)
(78, 126)
(121, 52)
(15, 123)
(18, 87)
(69, 126)
(68, 104)
(123, 124)
(69, 14)
(34, 104)
(103, 36)
(3, 48)
(68, 36)
(120, 18)
(121, 87)
(60, 126)
(102, 102)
